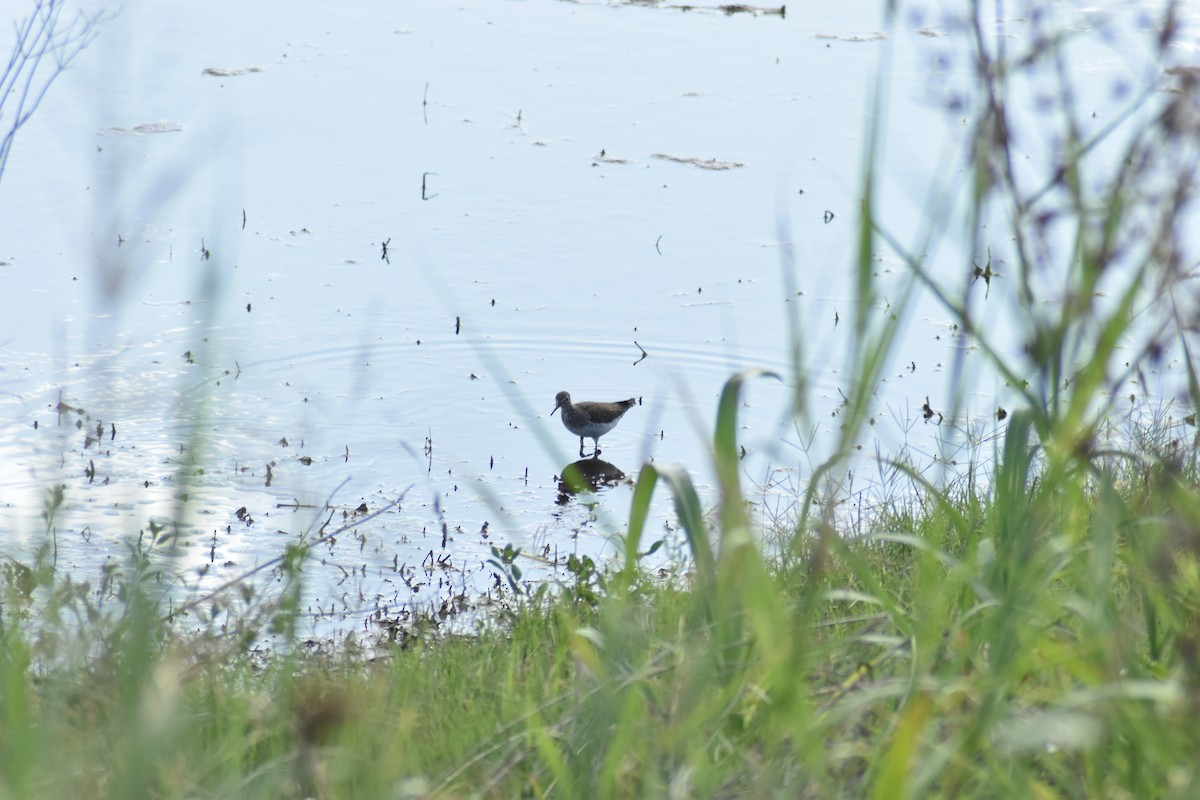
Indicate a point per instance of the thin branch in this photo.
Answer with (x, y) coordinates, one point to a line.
(24, 82)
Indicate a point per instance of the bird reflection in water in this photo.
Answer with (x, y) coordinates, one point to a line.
(587, 475)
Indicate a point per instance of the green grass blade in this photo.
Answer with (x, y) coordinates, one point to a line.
(639, 511)
(725, 453)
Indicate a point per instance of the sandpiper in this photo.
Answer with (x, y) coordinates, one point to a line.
(591, 420)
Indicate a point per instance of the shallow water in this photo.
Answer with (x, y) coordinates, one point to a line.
(194, 225)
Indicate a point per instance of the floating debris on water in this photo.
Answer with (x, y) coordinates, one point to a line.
(232, 72)
(702, 163)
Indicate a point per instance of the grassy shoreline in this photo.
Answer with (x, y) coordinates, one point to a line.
(1035, 641)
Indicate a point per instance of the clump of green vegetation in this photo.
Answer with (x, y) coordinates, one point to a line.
(1030, 632)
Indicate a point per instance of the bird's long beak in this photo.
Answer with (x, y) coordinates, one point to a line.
(556, 408)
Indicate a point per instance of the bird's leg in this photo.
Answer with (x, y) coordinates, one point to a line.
(581, 447)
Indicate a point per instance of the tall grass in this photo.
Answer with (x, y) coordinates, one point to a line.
(1030, 634)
